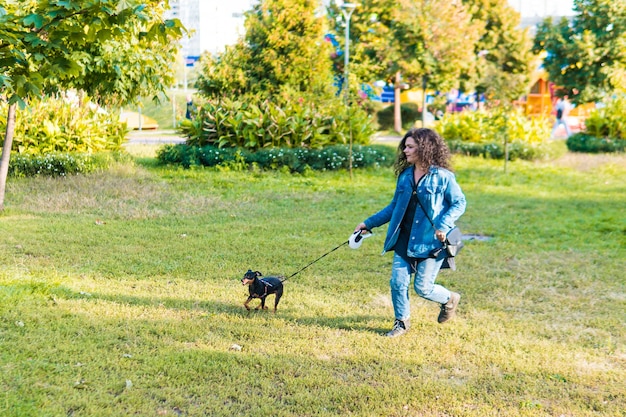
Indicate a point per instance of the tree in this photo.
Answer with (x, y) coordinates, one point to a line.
(370, 32)
(426, 43)
(504, 51)
(113, 50)
(285, 38)
(225, 74)
(587, 56)
(282, 53)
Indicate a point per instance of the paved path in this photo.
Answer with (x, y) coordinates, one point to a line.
(154, 137)
(158, 137)
(386, 139)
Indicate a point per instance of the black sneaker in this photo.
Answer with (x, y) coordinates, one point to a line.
(399, 328)
(449, 309)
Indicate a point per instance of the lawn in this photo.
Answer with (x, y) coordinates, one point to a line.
(167, 112)
(120, 294)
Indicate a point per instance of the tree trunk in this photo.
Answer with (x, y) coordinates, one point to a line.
(424, 109)
(397, 114)
(6, 152)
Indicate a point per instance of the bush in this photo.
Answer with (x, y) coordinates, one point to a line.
(608, 121)
(56, 125)
(584, 142)
(496, 150)
(250, 125)
(484, 133)
(296, 160)
(60, 164)
(408, 111)
(605, 130)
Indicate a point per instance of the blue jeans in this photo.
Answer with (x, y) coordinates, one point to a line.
(563, 122)
(424, 284)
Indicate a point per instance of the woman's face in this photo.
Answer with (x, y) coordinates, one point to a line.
(410, 151)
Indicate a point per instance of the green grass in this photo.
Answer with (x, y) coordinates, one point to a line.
(120, 295)
(170, 107)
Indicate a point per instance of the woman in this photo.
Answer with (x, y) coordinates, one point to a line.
(425, 187)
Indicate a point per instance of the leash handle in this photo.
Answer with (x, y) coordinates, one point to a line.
(330, 251)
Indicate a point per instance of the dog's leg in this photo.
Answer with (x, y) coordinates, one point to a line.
(277, 299)
(262, 304)
(246, 303)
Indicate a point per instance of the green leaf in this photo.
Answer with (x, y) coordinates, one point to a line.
(33, 88)
(124, 5)
(34, 39)
(7, 62)
(66, 68)
(104, 35)
(33, 20)
(77, 37)
(17, 99)
(66, 4)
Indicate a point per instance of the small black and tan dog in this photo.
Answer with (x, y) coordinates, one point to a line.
(261, 288)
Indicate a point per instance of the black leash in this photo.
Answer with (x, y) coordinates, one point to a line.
(295, 273)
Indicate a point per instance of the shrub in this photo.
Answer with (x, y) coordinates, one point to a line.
(291, 124)
(605, 130)
(496, 150)
(56, 125)
(608, 121)
(484, 133)
(296, 160)
(584, 142)
(60, 164)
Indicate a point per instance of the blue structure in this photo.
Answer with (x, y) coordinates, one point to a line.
(387, 95)
(337, 61)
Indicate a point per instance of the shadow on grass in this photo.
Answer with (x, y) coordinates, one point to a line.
(351, 323)
(167, 302)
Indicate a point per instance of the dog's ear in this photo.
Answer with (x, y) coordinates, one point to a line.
(258, 274)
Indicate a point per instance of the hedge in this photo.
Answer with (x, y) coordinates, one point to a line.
(584, 142)
(60, 164)
(296, 160)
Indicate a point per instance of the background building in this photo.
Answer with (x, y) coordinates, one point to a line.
(188, 12)
(218, 23)
(535, 11)
(543, 8)
(222, 22)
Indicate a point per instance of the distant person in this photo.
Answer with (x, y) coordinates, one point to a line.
(189, 113)
(563, 108)
(426, 189)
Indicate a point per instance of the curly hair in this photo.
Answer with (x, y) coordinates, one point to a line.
(432, 150)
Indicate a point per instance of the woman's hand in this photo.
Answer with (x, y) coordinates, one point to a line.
(360, 227)
(441, 236)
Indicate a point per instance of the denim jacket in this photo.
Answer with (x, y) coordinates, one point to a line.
(439, 194)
